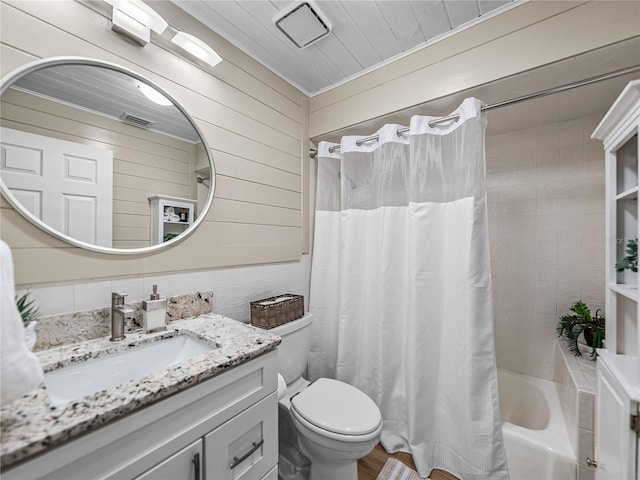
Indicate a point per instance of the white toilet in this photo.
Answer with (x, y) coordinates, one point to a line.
(332, 423)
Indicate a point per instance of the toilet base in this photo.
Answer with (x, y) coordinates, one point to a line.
(292, 464)
(331, 471)
(328, 463)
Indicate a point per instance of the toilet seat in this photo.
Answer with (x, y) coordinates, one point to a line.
(337, 410)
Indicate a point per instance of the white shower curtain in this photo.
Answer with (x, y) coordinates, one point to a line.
(401, 289)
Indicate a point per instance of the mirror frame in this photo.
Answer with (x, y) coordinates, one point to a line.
(30, 67)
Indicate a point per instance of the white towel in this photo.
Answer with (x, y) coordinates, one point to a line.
(20, 371)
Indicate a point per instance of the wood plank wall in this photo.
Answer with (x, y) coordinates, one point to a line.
(255, 123)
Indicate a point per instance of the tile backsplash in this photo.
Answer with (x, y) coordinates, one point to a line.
(66, 328)
(545, 191)
(233, 288)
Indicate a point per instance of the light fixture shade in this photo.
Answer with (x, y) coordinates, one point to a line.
(197, 48)
(302, 23)
(135, 19)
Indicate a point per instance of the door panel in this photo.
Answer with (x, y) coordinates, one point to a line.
(67, 185)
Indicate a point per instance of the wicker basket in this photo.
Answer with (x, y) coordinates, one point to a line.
(277, 313)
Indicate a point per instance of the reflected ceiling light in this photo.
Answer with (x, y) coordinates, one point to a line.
(302, 23)
(154, 95)
(135, 20)
(197, 48)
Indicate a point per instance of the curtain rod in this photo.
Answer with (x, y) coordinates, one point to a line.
(505, 103)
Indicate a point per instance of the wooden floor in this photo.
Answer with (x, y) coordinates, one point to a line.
(370, 466)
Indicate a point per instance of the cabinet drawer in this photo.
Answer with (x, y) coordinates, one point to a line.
(246, 447)
(184, 465)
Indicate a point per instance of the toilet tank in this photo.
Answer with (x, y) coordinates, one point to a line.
(294, 349)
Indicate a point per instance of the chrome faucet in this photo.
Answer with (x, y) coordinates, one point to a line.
(119, 314)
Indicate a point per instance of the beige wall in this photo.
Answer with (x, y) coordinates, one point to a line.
(530, 35)
(255, 123)
(145, 163)
(545, 191)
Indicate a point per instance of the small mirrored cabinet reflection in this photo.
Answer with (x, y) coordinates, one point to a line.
(170, 216)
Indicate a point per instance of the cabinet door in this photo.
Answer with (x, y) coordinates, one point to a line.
(615, 442)
(183, 465)
(246, 447)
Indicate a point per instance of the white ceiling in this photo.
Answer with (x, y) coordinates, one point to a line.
(366, 33)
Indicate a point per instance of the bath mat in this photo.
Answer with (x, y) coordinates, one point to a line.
(396, 470)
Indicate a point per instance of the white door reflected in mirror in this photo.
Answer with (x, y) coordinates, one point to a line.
(67, 185)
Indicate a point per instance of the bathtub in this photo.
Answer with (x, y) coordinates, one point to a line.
(536, 441)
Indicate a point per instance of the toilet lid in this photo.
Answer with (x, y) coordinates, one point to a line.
(338, 407)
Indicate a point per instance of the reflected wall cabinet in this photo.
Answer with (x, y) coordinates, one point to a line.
(170, 216)
(618, 369)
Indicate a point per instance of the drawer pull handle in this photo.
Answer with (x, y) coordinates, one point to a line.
(238, 460)
(196, 463)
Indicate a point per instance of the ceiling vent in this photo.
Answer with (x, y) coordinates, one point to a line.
(302, 23)
(137, 121)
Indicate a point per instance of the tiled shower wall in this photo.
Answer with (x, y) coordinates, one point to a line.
(546, 228)
(233, 288)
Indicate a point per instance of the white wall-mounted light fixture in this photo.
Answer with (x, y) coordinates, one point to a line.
(197, 48)
(302, 23)
(135, 20)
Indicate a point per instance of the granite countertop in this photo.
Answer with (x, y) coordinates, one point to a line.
(31, 424)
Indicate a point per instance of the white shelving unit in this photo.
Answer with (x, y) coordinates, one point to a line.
(163, 228)
(617, 422)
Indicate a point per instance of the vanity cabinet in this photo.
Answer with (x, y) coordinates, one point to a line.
(222, 428)
(170, 216)
(618, 369)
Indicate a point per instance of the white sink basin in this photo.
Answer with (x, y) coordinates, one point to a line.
(77, 381)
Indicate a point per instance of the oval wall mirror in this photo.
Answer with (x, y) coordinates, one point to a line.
(100, 157)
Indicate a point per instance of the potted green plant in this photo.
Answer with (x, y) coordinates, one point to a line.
(581, 322)
(29, 311)
(27, 308)
(630, 261)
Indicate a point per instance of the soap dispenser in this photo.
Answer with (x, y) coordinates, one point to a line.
(154, 312)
